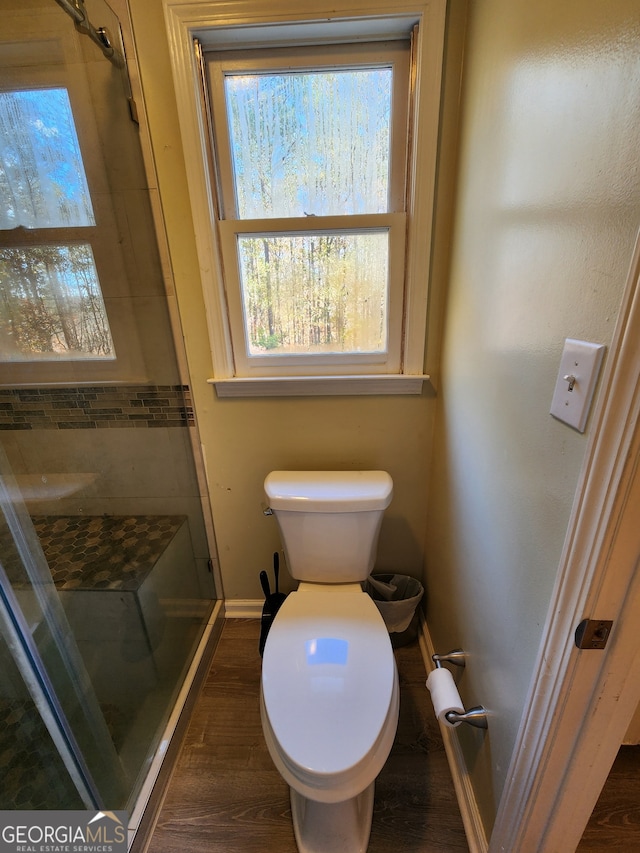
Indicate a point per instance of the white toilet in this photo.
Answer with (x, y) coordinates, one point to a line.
(330, 697)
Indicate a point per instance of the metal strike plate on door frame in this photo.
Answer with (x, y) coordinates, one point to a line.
(593, 633)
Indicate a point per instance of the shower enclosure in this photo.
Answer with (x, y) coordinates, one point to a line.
(106, 554)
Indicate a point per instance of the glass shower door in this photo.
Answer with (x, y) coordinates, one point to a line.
(49, 707)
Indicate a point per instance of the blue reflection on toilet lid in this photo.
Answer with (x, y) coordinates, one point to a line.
(327, 650)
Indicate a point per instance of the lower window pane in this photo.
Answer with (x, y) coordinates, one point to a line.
(314, 293)
(51, 305)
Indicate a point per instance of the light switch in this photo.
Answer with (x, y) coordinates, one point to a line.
(576, 382)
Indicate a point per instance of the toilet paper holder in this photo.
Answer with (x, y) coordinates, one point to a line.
(457, 657)
(476, 716)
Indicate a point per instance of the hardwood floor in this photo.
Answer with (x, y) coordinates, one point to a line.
(615, 822)
(225, 795)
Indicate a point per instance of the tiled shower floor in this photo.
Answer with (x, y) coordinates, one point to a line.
(33, 774)
(32, 771)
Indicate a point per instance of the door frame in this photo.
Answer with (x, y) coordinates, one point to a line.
(581, 702)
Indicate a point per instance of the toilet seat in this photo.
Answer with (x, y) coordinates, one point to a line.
(329, 691)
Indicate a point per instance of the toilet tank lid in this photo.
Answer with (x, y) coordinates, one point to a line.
(329, 491)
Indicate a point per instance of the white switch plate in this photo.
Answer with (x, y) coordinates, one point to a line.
(576, 382)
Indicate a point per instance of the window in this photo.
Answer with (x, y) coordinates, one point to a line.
(51, 305)
(311, 149)
(65, 262)
(312, 190)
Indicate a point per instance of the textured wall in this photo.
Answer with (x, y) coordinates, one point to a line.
(547, 210)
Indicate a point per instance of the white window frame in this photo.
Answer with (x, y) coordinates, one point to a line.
(367, 54)
(246, 23)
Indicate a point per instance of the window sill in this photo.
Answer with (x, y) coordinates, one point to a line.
(317, 386)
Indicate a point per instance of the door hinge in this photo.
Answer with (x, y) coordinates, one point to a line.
(133, 111)
(593, 633)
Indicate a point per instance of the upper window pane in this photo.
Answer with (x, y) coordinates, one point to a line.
(310, 143)
(42, 178)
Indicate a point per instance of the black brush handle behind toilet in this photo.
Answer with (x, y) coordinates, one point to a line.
(264, 583)
(278, 597)
(272, 602)
(267, 615)
(265, 625)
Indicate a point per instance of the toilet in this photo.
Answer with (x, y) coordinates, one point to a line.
(329, 692)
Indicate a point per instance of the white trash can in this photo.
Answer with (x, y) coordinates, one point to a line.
(397, 598)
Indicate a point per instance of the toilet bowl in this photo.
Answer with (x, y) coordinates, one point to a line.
(329, 692)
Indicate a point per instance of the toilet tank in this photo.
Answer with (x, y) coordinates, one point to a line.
(329, 521)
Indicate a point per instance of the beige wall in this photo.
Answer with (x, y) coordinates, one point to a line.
(244, 439)
(547, 210)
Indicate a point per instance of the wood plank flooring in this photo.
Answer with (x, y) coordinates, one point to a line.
(225, 795)
(615, 822)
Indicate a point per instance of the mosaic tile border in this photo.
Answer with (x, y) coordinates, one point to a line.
(96, 407)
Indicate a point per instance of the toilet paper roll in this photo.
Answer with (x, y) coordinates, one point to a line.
(444, 695)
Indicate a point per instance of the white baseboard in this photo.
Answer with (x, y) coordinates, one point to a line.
(473, 826)
(243, 608)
